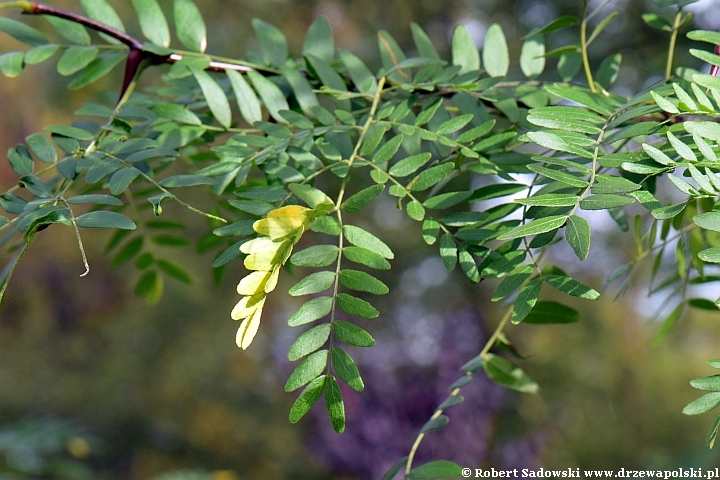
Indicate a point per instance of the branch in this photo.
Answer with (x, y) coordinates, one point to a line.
(37, 8)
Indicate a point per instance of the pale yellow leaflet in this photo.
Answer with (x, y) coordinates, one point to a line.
(248, 329)
(247, 306)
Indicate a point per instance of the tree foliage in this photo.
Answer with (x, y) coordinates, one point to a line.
(495, 170)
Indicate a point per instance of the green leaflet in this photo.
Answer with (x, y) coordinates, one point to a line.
(313, 283)
(315, 256)
(97, 69)
(464, 52)
(307, 399)
(422, 42)
(309, 342)
(503, 372)
(605, 202)
(577, 234)
(540, 225)
(152, 22)
(270, 93)
(76, 58)
(571, 287)
(409, 165)
(351, 334)
(319, 40)
(362, 282)
(703, 404)
(307, 371)
(356, 306)
(334, 404)
(495, 52)
(272, 42)
(42, 147)
(105, 219)
(366, 257)
(21, 32)
(362, 198)
(313, 310)
(708, 221)
(448, 251)
(74, 32)
(347, 370)
(189, 25)
(214, 95)
(361, 75)
(532, 55)
(512, 282)
(548, 312)
(362, 238)
(526, 300)
(245, 96)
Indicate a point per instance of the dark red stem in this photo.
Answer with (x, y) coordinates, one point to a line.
(42, 9)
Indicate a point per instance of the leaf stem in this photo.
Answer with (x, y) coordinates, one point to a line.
(584, 50)
(673, 39)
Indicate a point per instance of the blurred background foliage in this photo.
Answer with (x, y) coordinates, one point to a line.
(96, 384)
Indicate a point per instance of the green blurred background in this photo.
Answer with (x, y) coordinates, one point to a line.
(96, 384)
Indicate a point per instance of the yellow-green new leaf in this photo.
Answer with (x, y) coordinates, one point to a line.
(247, 306)
(248, 329)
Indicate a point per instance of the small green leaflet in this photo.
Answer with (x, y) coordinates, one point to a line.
(313, 283)
(546, 312)
(526, 300)
(308, 370)
(307, 399)
(309, 312)
(708, 221)
(105, 219)
(272, 42)
(532, 55)
(351, 334)
(550, 200)
(76, 58)
(464, 52)
(334, 404)
(315, 256)
(356, 306)
(577, 234)
(710, 255)
(437, 423)
(505, 373)
(448, 251)
(319, 40)
(540, 225)
(362, 198)
(362, 282)
(21, 32)
(189, 25)
(246, 99)
(571, 287)
(347, 370)
(152, 22)
(605, 201)
(309, 342)
(703, 404)
(495, 52)
(512, 282)
(270, 93)
(362, 238)
(214, 95)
